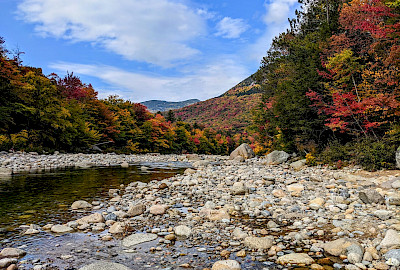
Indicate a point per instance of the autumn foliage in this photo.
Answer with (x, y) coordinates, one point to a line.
(336, 72)
(39, 113)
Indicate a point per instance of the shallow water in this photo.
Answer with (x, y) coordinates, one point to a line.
(45, 197)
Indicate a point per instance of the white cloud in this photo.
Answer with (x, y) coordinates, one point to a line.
(231, 28)
(211, 80)
(152, 31)
(275, 19)
(278, 11)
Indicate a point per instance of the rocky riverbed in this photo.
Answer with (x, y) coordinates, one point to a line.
(223, 214)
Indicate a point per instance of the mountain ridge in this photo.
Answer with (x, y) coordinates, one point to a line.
(231, 111)
(162, 105)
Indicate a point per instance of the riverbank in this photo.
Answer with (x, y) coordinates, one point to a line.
(14, 163)
(248, 215)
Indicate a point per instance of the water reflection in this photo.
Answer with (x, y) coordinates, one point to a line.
(45, 198)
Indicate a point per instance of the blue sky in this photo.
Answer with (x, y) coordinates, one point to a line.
(146, 49)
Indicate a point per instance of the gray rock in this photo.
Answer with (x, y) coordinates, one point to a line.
(277, 157)
(295, 258)
(93, 218)
(354, 258)
(371, 196)
(61, 229)
(4, 263)
(238, 188)
(136, 210)
(259, 242)
(105, 266)
(226, 265)
(124, 165)
(298, 164)
(338, 247)
(393, 200)
(396, 183)
(393, 253)
(158, 209)
(6, 171)
(244, 150)
(80, 205)
(31, 231)
(392, 239)
(138, 238)
(398, 158)
(117, 228)
(201, 163)
(383, 214)
(183, 230)
(12, 253)
(111, 216)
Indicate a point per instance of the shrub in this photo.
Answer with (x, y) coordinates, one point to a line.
(335, 152)
(374, 155)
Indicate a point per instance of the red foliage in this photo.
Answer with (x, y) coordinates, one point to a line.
(71, 87)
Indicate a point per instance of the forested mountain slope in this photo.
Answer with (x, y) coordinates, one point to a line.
(231, 111)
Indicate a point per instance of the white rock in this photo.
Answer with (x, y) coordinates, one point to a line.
(277, 157)
(138, 238)
(295, 258)
(61, 229)
(392, 239)
(117, 228)
(105, 266)
(158, 209)
(80, 205)
(259, 242)
(226, 265)
(244, 150)
(183, 230)
(12, 253)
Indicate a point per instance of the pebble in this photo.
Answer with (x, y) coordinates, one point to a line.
(228, 208)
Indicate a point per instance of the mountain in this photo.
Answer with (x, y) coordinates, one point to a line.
(231, 111)
(162, 106)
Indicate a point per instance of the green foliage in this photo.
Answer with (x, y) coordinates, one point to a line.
(335, 152)
(38, 113)
(375, 155)
(331, 84)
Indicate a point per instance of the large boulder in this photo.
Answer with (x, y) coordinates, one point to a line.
(371, 196)
(277, 157)
(244, 150)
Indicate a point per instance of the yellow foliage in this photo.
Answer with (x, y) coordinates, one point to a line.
(133, 147)
(20, 138)
(310, 159)
(3, 140)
